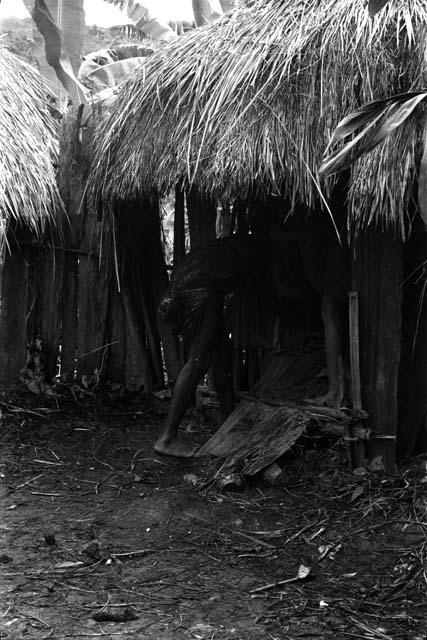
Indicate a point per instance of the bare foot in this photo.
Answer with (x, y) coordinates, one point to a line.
(174, 448)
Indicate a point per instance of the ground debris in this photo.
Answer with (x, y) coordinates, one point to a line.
(105, 615)
(182, 558)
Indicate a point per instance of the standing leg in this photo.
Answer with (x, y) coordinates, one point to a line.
(200, 358)
(333, 329)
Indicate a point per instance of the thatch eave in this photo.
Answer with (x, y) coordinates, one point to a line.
(28, 147)
(253, 99)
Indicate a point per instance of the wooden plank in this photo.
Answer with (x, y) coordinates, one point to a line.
(13, 316)
(92, 305)
(116, 337)
(50, 317)
(353, 312)
(69, 318)
(138, 370)
(228, 437)
(377, 275)
(356, 452)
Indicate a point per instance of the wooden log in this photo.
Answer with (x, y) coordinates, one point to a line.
(377, 276)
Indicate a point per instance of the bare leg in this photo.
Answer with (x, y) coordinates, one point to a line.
(199, 360)
(332, 322)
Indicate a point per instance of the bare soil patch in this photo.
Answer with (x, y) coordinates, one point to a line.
(102, 538)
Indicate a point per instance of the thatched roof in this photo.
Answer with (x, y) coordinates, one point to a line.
(28, 146)
(254, 98)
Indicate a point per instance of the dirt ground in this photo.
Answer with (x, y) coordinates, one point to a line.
(102, 538)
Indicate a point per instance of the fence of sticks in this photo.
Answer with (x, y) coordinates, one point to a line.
(81, 304)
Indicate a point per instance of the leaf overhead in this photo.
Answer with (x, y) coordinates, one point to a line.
(381, 118)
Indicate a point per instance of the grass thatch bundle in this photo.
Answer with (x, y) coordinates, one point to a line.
(28, 146)
(252, 100)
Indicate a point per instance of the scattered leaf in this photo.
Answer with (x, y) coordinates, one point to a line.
(69, 565)
(359, 490)
(303, 571)
(360, 471)
(191, 478)
(377, 464)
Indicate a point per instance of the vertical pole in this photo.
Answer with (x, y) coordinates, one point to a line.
(179, 227)
(377, 272)
(358, 450)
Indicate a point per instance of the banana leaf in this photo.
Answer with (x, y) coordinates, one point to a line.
(55, 54)
(378, 119)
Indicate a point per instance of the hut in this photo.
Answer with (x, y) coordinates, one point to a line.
(29, 199)
(243, 109)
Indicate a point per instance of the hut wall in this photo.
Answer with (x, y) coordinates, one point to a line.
(90, 323)
(377, 276)
(13, 315)
(412, 423)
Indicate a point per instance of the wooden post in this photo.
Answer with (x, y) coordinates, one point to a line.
(358, 449)
(50, 318)
(69, 317)
(179, 227)
(377, 276)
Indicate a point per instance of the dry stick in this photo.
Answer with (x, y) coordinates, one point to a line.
(272, 585)
(258, 542)
(298, 533)
(13, 409)
(24, 484)
(127, 554)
